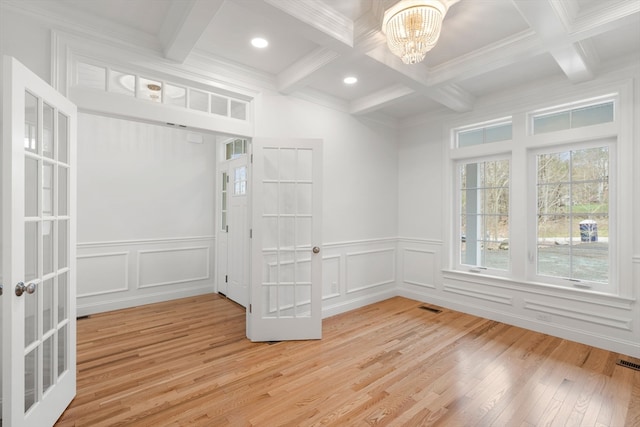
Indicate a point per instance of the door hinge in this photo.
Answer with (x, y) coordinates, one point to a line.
(227, 228)
(227, 178)
(226, 278)
(249, 308)
(251, 233)
(252, 159)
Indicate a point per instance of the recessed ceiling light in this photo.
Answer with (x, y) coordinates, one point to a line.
(259, 42)
(351, 80)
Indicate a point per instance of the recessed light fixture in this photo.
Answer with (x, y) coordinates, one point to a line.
(259, 42)
(350, 80)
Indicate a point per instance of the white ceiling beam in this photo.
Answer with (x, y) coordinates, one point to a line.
(184, 24)
(417, 78)
(379, 99)
(297, 76)
(551, 20)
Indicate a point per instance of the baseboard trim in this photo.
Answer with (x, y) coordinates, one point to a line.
(352, 304)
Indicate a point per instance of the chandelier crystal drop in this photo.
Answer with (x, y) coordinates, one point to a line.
(413, 27)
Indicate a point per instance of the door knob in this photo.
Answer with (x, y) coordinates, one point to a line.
(21, 288)
(316, 250)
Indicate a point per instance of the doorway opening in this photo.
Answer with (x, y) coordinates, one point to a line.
(233, 247)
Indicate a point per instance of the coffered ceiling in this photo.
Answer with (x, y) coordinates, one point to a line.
(486, 46)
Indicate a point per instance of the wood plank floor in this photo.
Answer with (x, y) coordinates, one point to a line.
(187, 362)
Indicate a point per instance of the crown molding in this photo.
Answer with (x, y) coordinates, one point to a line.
(60, 17)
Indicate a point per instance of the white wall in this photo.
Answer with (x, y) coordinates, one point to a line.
(146, 206)
(605, 321)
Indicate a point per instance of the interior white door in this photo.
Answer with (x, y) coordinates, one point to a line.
(286, 263)
(39, 253)
(238, 232)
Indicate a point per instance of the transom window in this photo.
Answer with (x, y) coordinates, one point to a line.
(577, 117)
(484, 134)
(235, 148)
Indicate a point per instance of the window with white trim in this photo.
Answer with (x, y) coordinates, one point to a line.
(544, 191)
(484, 214)
(572, 199)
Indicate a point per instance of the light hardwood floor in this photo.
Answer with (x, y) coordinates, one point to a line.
(187, 362)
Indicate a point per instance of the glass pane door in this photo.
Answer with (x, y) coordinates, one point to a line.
(40, 367)
(286, 272)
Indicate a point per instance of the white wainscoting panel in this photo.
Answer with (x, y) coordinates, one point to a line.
(331, 276)
(357, 273)
(102, 273)
(419, 267)
(126, 273)
(162, 267)
(368, 269)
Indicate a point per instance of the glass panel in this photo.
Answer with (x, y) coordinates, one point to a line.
(238, 110)
(219, 105)
(47, 363)
(150, 90)
(592, 115)
(470, 137)
(303, 231)
(63, 191)
(270, 302)
(288, 164)
(30, 317)
(240, 181)
(30, 379)
(270, 267)
(229, 150)
(270, 233)
(47, 131)
(498, 133)
(590, 164)
(553, 168)
(47, 247)
(31, 123)
(304, 198)
(30, 251)
(175, 95)
(63, 353)
(198, 100)
(554, 198)
(304, 170)
(31, 207)
(47, 189)
(63, 246)
(287, 199)
(63, 284)
(303, 269)
(46, 288)
(91, 76)
(551, 122)
(270, 198)
(63, 138)
(270, 165)
(122, 83)
(303, 301)
(286, 232)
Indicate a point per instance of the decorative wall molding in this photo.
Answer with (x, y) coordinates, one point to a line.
(331, 291)
(383, 240)
(568, 294)
(357, 263)
(478, 294)
(102, 244)
(428, 264)
(164, 263)
(91, 275)
(580, 315)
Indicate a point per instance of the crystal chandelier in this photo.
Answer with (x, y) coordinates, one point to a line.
(413, 27)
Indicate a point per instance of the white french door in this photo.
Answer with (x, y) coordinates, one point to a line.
(39, 249)
(286, 264)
